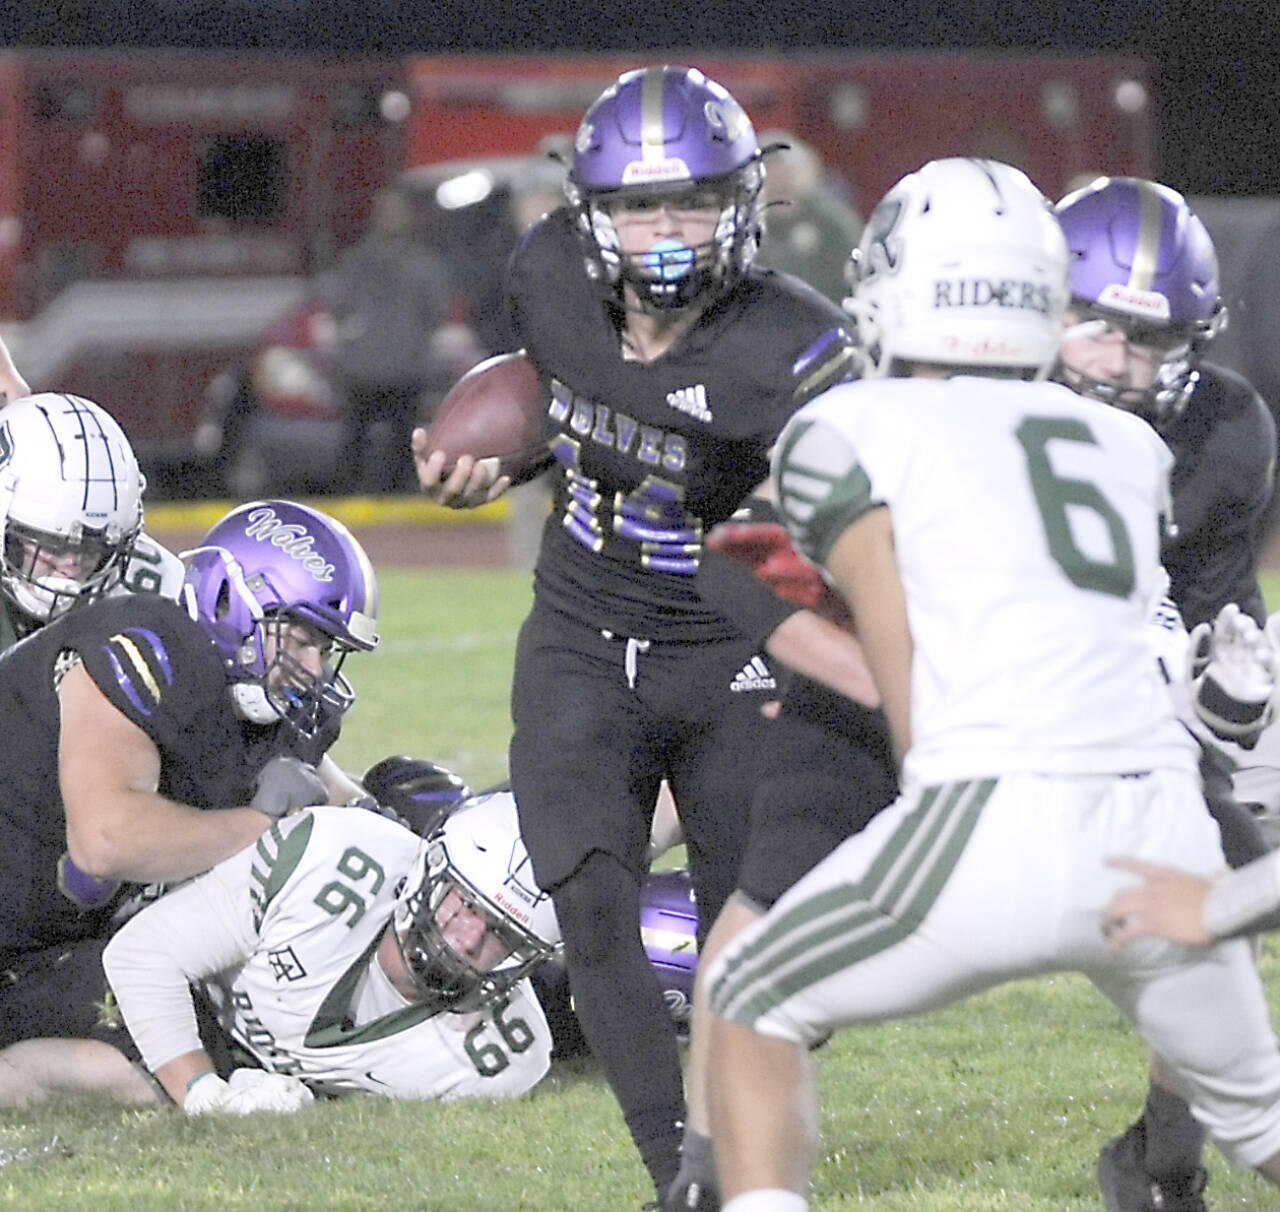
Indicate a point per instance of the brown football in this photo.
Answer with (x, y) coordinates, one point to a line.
(494, 413)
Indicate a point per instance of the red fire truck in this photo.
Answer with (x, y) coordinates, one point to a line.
(158, 211)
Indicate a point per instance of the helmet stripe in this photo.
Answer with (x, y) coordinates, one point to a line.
(370, 606)
(1146, 251)
(653, 135)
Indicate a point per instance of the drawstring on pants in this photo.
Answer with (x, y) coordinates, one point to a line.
(631, 658)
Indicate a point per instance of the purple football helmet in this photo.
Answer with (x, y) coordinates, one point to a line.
(667, 133)
(262, 567)
(1143, 261)
(669, 930)
(420, 792)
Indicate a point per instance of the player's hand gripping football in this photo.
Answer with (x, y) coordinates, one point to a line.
(467, 483)
(1232, 674)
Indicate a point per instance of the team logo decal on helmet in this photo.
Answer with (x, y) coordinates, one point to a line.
(292, 538)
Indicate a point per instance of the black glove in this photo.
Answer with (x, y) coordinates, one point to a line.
(285, 784)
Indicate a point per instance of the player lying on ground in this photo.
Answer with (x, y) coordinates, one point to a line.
(344, 953)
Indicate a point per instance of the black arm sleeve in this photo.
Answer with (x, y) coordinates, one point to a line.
(730, 588)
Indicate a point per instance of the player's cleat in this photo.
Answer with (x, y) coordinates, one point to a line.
(1127, 1187)
(694, 1187)
(692, 1196)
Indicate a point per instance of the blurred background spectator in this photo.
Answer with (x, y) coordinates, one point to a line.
(389, 296)
(809, 227)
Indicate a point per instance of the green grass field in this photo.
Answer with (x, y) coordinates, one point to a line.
(999, 1103)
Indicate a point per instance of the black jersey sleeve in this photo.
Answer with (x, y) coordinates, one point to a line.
(1224, 448)
(731, 589)
(151, 661)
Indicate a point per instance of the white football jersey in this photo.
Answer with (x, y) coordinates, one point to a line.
(282, 938)
(1027, 525)
(151, 569)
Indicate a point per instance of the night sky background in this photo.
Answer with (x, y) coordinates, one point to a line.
(1216, 66)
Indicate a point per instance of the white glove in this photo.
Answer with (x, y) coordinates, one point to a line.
(1232, 674)
(247, 1091)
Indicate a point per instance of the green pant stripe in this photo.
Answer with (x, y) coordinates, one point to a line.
(838, 927)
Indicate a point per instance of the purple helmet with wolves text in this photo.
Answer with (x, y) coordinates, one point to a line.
(1142, 260)
(667, 135)
(264, 567)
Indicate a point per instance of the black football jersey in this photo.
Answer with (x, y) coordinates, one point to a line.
(158, 668)
(649, 455)
(1224, 447)
(9, 629)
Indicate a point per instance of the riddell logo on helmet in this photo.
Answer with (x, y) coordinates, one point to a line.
(669, 169)
(1147, 303)
(983, 292)
(291, 538)
(985, 347)
(512, 906)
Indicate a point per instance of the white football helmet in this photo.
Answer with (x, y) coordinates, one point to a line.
(479, 853)
(961, 264)
(70, 503)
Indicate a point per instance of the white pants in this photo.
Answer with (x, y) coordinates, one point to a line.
(960, 887)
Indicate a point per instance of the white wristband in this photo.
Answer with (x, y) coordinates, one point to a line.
(1238, 899)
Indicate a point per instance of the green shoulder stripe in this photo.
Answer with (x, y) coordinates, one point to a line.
(278, 858)
(818, 504)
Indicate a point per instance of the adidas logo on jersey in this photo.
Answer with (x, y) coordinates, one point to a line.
(692, 401)
(754, 675)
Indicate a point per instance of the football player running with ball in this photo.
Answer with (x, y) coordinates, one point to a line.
(670, 365)
(1009, 638)
(344, 953)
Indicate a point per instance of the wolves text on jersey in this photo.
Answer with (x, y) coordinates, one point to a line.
(600, 423)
